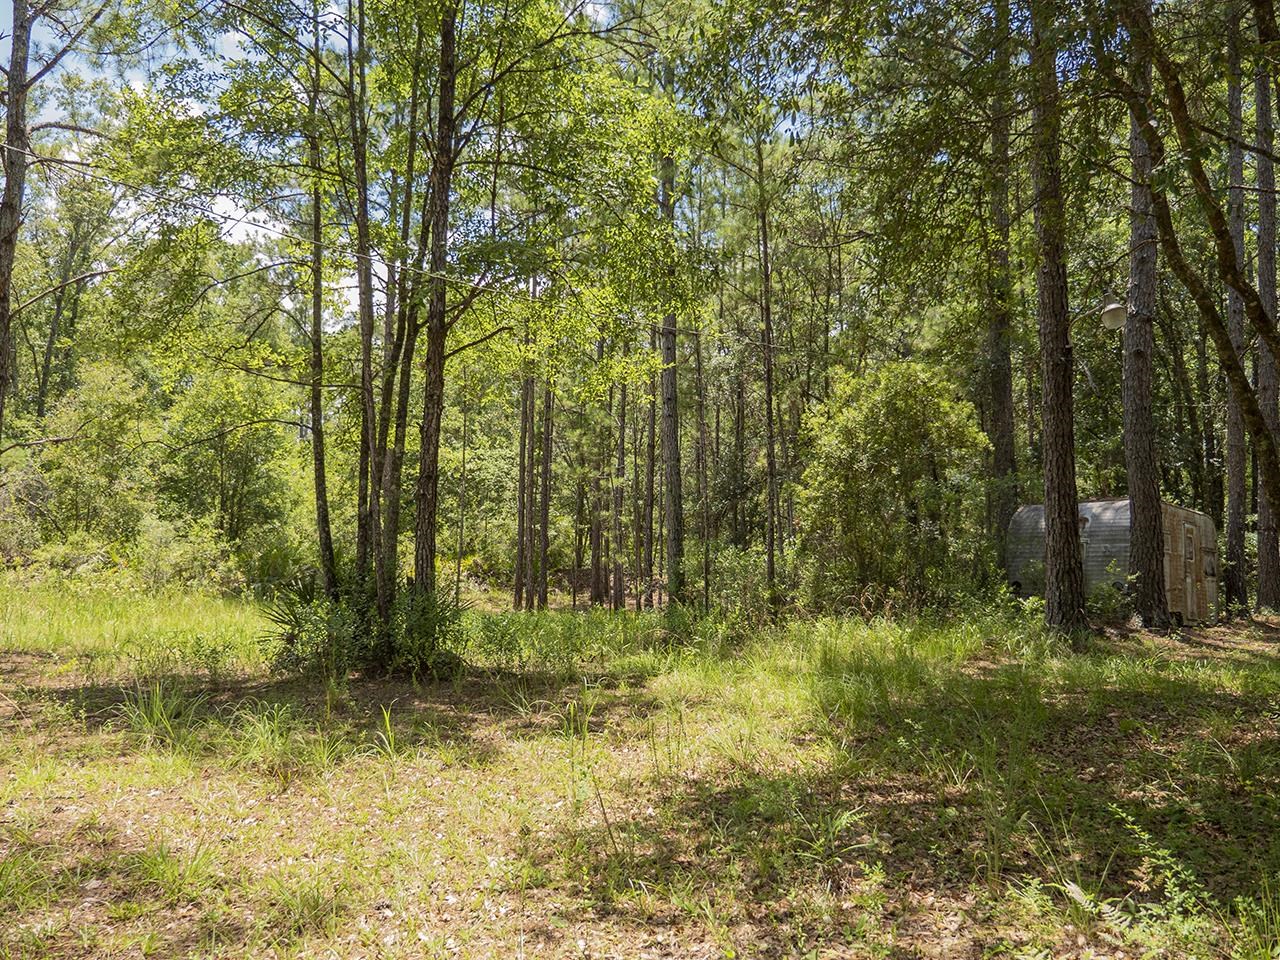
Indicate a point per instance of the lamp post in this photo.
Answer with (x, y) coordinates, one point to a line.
(1113, 313)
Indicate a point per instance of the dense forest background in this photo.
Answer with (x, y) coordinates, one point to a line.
(749, 308)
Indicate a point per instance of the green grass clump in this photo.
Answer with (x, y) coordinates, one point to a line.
(173, 875)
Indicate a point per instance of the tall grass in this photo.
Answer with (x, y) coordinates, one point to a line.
(113, 626)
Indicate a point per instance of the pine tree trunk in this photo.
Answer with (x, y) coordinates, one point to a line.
(328, 563)
(1191, 436)
(399, 346)
(14, 163)
(673, 514)
(544, 506)
(531, 501)
(650, 471)
(428, 487)
(367, 540)
(766, 324)
(1139, 24)
(1235, 590)
(579, 507)
(1268, 539)
(1000, 364)
(522, 485)
(462, 497)
(1064, 575)
(704, 495)
(1146, 525)
(619, 489)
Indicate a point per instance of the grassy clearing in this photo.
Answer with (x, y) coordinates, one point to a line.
(591, 787)
(125, 630)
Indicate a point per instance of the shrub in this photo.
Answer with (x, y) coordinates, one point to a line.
(891, 506)
(427, 635)
(312, 634)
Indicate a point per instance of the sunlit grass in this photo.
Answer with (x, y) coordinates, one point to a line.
(116, 624)
(822, 784)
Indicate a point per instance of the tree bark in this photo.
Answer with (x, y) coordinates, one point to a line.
(1064, 575)
(398, 358)
(1268, 540)
(324, 532)
(14, 164)
(544, 500)
(650, 470)
(428, 486)
(704, 495)
(522, 486)
(1235, 590)
(462, 497)
(766, 326)
(367, 540)
(1146, 524)
(1000, 365)
(1204, 299)
(531, 501)
(619, 488)
(673, 485)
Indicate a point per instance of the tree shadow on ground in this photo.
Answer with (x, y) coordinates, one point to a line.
(953, 776)
(474, 714)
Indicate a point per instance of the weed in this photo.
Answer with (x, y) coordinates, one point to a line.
(1255, 924)
(24, 880)
(174, 876)
(162, 714)
(385, 743)
(303, 906)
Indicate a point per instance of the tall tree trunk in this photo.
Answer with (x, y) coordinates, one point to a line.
(1234, 580)
(1191, 437)
(531, 502)
(999, 362)
(1138, 22)
(1146, 525)
(619, 489)
(1268, 539)
(599, 459)
(428, 487)
(650, 470)
(15, 178)
(739, 458)
(544, 499)
(401, 332)
(579, 501)
(673, 515)
(1064, 575)
(1214, 489)
(55, 321)
(766, 325)
(704, 496)
(328, 563)
(1222, 230)
(523, 507)
(462, 496)
(367, 506)
(637, 513)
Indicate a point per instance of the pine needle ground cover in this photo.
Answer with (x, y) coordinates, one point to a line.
(598, 785)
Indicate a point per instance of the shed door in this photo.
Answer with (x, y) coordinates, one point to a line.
(1189, 569)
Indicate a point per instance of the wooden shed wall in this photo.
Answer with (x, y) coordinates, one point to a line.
(1191, 563)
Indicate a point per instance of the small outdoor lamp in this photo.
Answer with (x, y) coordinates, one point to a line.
(1113, 313)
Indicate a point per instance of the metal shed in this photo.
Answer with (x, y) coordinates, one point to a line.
(1190, 554)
